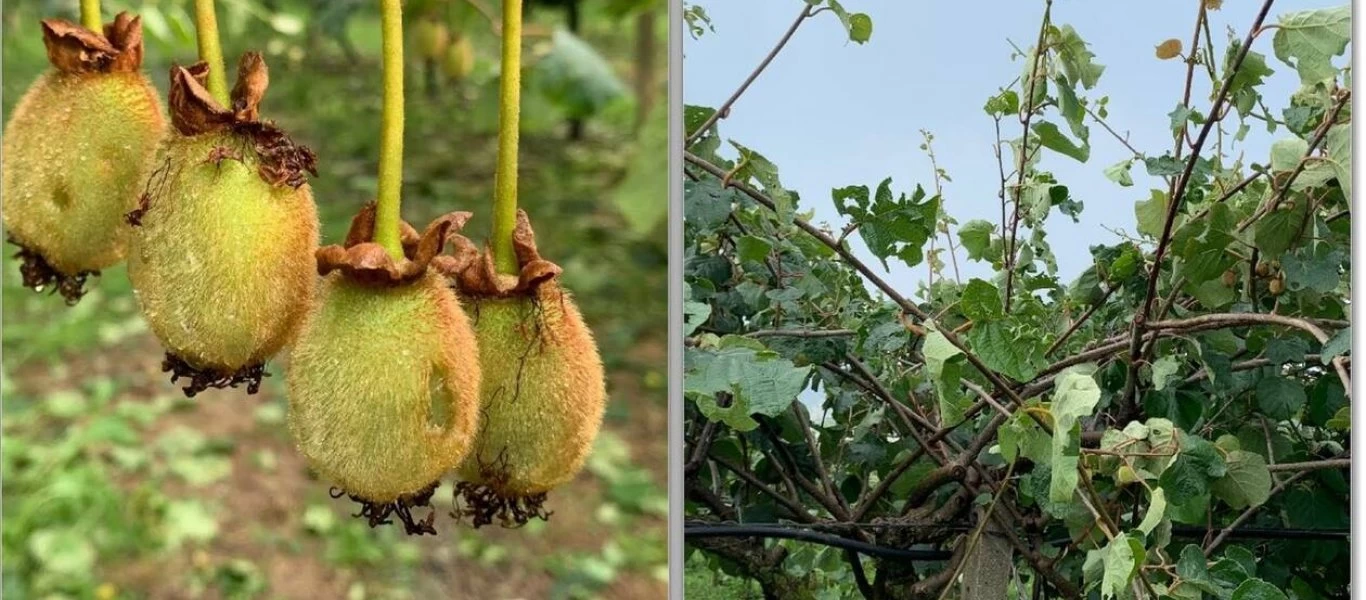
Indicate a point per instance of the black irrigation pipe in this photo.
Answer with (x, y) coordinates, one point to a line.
(805, 534)
(826, 539)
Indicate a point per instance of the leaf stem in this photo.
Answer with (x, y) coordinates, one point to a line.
(509, 117)
(388, 206)
(206, 29)
(90, 15)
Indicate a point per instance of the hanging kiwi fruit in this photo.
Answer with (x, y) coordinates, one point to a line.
(543, 390)
(384, 378)
(221, 257)
(458, 62)
(77, 149)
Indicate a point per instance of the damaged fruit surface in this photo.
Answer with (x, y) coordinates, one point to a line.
(223, 239)
(384, 378)
(77, 149)
(543, 391)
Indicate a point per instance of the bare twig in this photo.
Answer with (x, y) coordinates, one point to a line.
(724, 110)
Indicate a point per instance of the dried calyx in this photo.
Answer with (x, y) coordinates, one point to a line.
(361, 259)
(475, 274)
(376, 514)
(75, 49)
(194, 111)
(38, 275)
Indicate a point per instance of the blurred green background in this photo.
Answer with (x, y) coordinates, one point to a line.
(116, 486)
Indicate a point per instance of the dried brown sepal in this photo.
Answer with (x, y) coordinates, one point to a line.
(482, 503)
(377, 514)
(72, 48)
(476, 276)
(38, 275)
(194, 111)
(363, 260)
(204, 379)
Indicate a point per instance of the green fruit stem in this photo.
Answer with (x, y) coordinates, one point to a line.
(90, 15)
(509, 117)
(387, 207)
(206, 29)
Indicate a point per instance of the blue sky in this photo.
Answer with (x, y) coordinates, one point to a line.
(831, 113)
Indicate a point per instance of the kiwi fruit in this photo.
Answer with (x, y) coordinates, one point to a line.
(77, 149)
(543, 391)
(433, 38)
(1229, 278)
(384, 378)
(221, 257)
(458, 62)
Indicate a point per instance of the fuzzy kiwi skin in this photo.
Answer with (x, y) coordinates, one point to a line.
(222, 263)
(77, 151)
(543, 392)
(384, 386)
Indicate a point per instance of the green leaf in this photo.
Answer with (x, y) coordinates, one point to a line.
(757, 380)
(1280, 398)
(939, 355)
(1151, 214)
(1276, 231)
(1308, 40)
(1256, 589)
(976, 238)
(981, 301)
(753, 248)
(638, 196)
(1157, 508)
(753, 165)
(1338, 345)
(1188, 477)
(577, 77)
(188, 521)
(1006, 352)
(860, 27)
(1005, 103)
(1247, 482)
(1120, 172)
(694, 315)
(1055, 140)
(1338, 144)
(1164, 166)
(1075, 395)
(1078, 61)
(1313, 268)
(1122, 561)
(1163, 369)
(1342, 420)
(63, 551)
(890, 227)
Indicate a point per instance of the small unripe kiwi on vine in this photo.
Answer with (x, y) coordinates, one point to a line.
(77, 149)
(1276, 286)
(459, 59)
(222, 244)
(543, 390)
(433, 39)
(1263, 269)
(384, 377)
(1229, 278)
